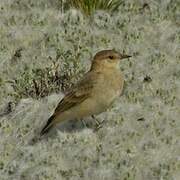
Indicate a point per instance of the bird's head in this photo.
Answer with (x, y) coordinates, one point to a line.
(107, 59)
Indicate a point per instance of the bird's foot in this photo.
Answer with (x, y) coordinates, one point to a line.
(99, 124)
(84, 123)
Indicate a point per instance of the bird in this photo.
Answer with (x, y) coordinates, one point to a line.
(94, 93)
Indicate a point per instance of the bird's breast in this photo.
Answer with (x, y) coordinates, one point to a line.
(109, 88)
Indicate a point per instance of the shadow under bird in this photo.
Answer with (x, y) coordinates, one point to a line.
(93, 94)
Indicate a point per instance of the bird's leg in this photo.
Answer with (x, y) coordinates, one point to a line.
(84, 124)
(98, 124)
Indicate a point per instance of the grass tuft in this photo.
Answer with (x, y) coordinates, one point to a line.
(88, 7)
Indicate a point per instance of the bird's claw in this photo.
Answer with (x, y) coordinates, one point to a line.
(98, 125)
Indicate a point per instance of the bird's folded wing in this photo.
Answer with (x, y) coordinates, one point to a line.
(81, 92)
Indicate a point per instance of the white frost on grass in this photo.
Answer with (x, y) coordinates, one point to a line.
(140, 136)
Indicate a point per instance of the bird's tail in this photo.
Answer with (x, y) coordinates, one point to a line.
(48, 125)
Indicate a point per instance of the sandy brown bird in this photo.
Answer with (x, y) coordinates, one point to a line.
(101, 85)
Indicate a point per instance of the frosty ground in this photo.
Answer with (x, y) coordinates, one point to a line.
(140, 137)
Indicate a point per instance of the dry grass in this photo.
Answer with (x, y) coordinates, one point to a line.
(88, 7)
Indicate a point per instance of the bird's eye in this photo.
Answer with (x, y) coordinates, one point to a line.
(110, 57)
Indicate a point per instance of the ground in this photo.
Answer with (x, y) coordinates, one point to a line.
(39, 41)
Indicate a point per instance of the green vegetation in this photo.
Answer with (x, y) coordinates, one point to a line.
(88, 7)
(41, 82)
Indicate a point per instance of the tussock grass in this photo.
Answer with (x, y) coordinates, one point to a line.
(88, 7)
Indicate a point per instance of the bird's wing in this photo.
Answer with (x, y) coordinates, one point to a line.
(77, 95)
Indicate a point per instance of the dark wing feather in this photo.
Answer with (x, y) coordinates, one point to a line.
(70, 100)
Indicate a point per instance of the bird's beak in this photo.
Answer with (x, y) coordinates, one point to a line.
(123, 56)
